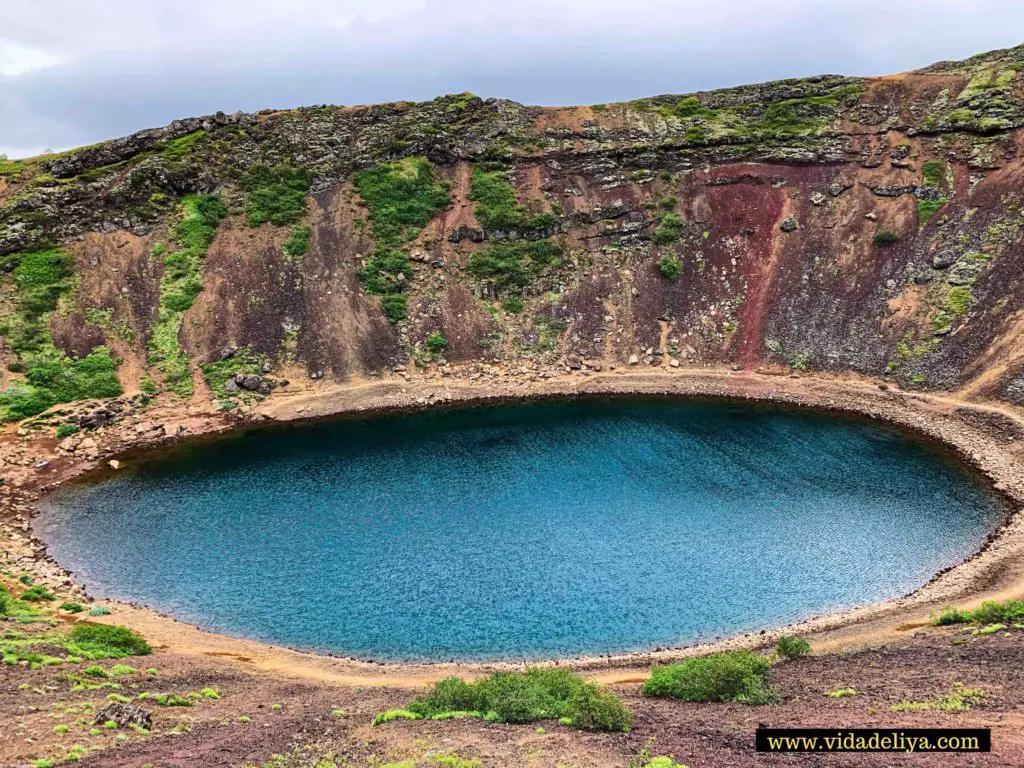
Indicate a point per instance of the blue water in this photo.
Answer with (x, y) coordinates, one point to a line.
(540, 530)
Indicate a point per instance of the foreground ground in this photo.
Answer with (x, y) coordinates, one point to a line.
(308, 723)
(316, 711)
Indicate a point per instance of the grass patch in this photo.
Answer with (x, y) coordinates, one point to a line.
(97, 641)
(513, 264)
(989, 612)
(841, 693)
(182, 281)
(735, 676)
(522, 697)
(934, 171)
(960, 699)
(402, 198)
(276, 194)
(498, 207)
(928, 208)
(220, 372)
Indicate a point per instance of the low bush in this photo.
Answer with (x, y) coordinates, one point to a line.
(669, 230)
(111, 640)
(37, 594)
(526, 697)
(670, 266)
(276, 194)
(989, 612)
(735, 676)
(437, 344)
(66, 430)
(6, 602)
(885, 238)
(790, 647)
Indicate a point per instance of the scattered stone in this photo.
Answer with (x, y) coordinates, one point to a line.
(789, 224)
(125, 715)
(871, 216)
(114, 464)
(818, 199)
(634, 359)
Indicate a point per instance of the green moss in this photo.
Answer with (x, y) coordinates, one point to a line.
(182, 280)
(934, 172)
(402, 198)
(498, 207)
(735, 676)
(276, 194)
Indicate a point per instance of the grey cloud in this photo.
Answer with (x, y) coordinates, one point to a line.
(131, 65)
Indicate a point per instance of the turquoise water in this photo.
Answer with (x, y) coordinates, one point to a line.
(540, 530)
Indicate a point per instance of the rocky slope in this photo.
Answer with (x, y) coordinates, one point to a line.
(826, 224)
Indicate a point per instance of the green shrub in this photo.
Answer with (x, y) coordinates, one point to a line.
(513, 305)
(6, 602)
(524, 697)
(989, 612)
(670, 266)
(669, 230)
(436, 343)
(733, 676)
(37, 594)
(790, 647)
(99, 610)
(95, 671)
(394, 307)
(885, 238)
(297, 243)
(66, 430)
(72, 607)
(111, 640)
(276, 194)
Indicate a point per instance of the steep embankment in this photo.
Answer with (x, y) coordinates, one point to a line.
(828, 224)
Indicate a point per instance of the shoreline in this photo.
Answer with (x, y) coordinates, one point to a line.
(983, 436)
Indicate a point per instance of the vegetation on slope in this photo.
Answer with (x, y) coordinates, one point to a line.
(41, 279)
(402, 198)
(197, 220)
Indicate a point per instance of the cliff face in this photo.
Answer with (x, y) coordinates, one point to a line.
(836, 224)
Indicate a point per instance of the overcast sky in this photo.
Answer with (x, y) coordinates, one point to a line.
(74, 72)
